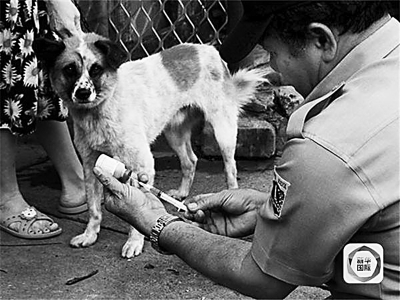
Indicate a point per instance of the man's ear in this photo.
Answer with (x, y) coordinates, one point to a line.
(324, 39)
(115, 56)
(47, 50)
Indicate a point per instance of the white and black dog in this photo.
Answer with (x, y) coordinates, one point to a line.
(119, 108)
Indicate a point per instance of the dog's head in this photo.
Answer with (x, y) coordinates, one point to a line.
(82, 70)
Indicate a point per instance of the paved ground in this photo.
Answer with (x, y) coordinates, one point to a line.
(41, 269)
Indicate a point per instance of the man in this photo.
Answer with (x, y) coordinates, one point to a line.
(337, 182)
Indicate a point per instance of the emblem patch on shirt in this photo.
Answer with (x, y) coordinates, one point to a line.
(278, 193)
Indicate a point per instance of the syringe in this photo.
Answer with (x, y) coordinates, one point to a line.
(119, 171)
(161, 195)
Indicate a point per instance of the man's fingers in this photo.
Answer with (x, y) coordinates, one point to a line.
(198, 216)
(111, 183)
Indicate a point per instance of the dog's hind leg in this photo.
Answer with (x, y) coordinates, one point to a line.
(179, 138)
(225, 132)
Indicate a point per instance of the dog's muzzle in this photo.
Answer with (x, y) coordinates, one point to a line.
(84, 92)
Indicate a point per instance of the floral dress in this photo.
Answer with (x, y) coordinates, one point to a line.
(26, 94)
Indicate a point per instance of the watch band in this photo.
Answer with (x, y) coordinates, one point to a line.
(161, 223)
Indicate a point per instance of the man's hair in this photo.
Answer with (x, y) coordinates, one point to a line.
(346, 16)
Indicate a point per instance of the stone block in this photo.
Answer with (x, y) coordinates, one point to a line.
(256, 139)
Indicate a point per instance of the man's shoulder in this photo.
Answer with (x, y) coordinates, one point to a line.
(366, 105)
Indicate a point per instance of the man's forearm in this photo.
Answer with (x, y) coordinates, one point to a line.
(217, 257)
(226, 261)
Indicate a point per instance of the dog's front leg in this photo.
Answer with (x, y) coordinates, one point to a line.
(134, 245)
(94, 194)
(141, 161)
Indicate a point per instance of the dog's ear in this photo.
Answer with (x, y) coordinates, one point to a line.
(115, 56)
(47, 50)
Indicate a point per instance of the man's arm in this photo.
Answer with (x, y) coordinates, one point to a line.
(225, 260)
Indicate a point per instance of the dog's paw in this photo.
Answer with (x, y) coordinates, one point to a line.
(83, 240)
(177, 194)
(132, 248)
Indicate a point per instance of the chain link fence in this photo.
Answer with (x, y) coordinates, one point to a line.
(144, 27)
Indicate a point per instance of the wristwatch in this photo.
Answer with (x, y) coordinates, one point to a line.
(161, 223)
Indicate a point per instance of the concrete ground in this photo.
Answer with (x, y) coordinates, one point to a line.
(41, 269)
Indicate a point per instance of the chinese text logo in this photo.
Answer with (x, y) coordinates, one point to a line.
(363, 263)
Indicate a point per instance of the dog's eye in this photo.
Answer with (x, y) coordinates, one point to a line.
(95, 70)
(70, 70)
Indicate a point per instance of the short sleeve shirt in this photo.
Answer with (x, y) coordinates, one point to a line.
(337, 181)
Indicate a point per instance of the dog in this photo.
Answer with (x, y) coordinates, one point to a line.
(120, 107)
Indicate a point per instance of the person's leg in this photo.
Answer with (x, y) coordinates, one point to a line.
(11, 199)
(55, 138)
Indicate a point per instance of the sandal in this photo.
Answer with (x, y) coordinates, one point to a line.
(26, 218)
(73, 210)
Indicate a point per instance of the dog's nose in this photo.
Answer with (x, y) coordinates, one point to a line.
(82, 94)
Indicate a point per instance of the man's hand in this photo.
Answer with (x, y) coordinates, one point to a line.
(139, 208)
(64, 18)
(231, 213)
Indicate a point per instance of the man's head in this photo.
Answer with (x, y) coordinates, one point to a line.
(309, 34)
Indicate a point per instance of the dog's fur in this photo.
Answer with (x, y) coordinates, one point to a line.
(120, 108)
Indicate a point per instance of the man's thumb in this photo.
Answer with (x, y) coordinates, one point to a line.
(201, 202)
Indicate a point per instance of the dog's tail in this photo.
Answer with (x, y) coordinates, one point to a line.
(246, 81)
